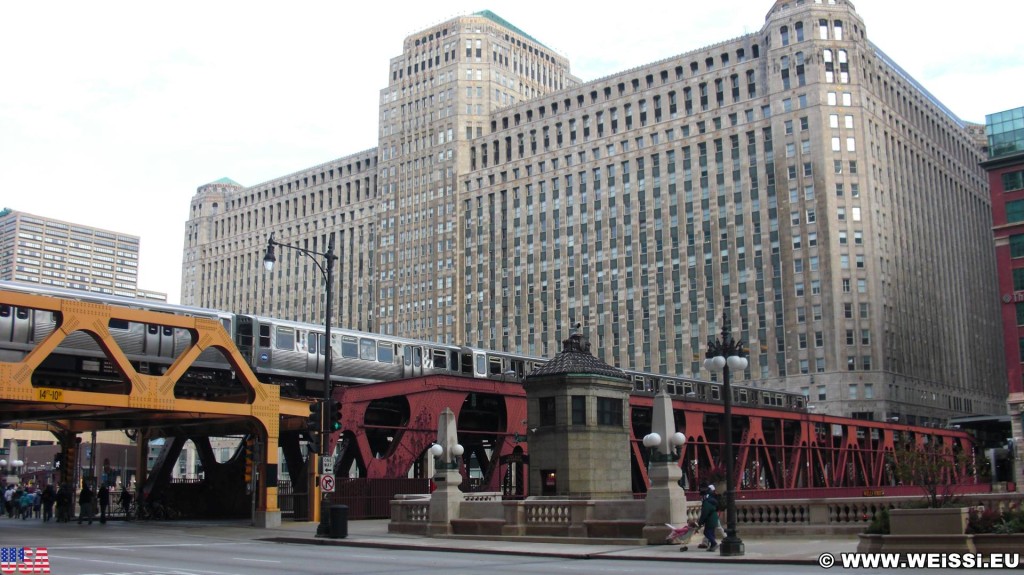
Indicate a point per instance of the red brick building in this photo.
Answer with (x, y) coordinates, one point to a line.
(1005, 166)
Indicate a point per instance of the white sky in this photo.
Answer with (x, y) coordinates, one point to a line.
(112, 113)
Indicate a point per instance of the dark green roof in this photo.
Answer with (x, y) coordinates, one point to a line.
(501, 21)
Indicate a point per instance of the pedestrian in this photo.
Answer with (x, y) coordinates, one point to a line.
(27, 501)
(37, 503)
(85, 504)
(103, 498)
(16, 501)
(48, 497)
(8, 505)
(64, 503)
(709, 517)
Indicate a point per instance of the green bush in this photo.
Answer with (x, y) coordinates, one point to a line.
(995, 521)
(879, 523)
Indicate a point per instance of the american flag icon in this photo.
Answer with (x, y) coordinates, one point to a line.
(12, 554)
(13, 560)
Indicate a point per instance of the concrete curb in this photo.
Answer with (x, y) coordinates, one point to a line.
(682, 557)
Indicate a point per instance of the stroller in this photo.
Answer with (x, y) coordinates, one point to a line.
(681, 535)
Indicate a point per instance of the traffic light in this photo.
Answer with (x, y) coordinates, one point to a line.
(250, 458)
(334, 414)
(316, 417)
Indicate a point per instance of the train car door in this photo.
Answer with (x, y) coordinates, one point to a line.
(312, 344)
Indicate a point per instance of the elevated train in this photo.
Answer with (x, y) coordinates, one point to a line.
(287, 353)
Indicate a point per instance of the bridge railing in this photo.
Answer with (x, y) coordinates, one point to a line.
(763, 517)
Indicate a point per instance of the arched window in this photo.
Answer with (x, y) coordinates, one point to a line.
(799, 28)
(844, 68)
(830, 71)
(784, 34)
(837, 28)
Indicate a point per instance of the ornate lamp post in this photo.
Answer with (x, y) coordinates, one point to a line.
(723, 355)
(327, 271)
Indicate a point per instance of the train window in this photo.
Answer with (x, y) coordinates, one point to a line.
(385, 352)
(716, 392)
(5, 310)
(638, 383)
(311, 342)
(118, 324)
(264, 336)
(494, 364)
(417, 356)
(168, 331)
(244, 335)
(21, 313)
(408, 355)
(226, 324)
(481, 366)
(687, 388)
(440, 359)
(349, 346)
(152, 329)
(367, 349)
(778, 399)
(285, 339)
(743, 396)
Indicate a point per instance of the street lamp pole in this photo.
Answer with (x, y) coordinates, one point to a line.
(723, 355)
(327, 271)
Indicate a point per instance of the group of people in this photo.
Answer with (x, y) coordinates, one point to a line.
(35, 502)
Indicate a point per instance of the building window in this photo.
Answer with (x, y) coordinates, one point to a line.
(1018, 279)
(579, 410)
(547, 410)
(852, 391)
(1017, 245)
(1015, 211)
(609, 411)
(1013, 181)
(869, 391)
(821, 393)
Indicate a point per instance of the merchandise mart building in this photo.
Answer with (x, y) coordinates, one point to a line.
(795, 179)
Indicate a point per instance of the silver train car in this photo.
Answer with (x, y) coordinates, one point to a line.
(289, 354)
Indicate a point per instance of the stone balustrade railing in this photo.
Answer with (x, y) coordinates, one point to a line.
(626, 518)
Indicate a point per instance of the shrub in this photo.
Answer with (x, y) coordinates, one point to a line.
(879, 523)
(995, 521)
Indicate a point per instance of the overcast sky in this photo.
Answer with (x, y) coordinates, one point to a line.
(112, 113)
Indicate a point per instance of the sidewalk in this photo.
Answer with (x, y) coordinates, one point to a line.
(374, 533)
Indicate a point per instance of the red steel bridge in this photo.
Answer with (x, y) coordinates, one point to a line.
(389, 426)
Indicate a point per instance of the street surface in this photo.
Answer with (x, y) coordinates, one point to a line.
(195, 548)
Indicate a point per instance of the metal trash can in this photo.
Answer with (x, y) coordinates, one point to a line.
(338, 528)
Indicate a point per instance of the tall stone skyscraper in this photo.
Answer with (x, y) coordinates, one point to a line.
(795, 178)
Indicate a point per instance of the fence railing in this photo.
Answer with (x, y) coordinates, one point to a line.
(554, 517)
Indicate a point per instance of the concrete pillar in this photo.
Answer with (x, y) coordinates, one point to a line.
(1015, 403)
(666, 500)
(446, 500)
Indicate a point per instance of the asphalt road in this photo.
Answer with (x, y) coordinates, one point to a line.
(172, 548)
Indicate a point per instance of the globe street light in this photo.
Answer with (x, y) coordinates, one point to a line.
(327, 271)
(726, 354)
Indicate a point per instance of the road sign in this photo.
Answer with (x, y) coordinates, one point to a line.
(327, 464)
(327, 483)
